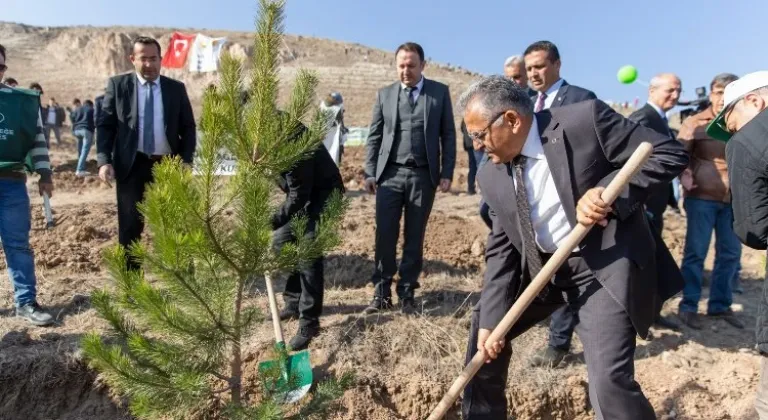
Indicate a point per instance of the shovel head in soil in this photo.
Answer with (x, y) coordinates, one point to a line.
(288, 378)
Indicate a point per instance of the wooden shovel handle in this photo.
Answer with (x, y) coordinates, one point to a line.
(573, 239)
(273, 309)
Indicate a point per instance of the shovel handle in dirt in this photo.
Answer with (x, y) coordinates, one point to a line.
(273, 310)
(296, 371)
(573, 239)
(47, 209)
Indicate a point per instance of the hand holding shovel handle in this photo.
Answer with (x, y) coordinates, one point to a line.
(573, 239)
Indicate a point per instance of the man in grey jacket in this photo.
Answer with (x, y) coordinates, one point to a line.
(411, 151)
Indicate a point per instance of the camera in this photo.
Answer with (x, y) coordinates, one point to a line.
(696, 105)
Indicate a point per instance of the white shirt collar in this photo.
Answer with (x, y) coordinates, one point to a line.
(532, 147)
(143, 81)
(418, 86)
(658, 109)
(554, 88)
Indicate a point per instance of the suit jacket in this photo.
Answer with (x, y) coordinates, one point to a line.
(568, 95)
(61, 115)
(117, 138)
(585, 145)
(649, 117)
(307, 186)
(439, 131)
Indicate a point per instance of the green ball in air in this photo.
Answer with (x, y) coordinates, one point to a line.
(627, 74)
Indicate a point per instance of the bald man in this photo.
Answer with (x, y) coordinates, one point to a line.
(663, 94)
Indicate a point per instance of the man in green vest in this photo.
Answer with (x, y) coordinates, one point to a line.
(22, 144)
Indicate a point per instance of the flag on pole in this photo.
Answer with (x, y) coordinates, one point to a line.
(177, 51)
(205, 53)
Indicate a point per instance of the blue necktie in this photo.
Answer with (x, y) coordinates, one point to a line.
(149, 121)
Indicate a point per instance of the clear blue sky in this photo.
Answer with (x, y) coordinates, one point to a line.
(695, 39)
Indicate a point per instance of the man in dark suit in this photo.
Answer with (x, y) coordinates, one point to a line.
(546, 174)
(663, 94)
(307, 187)
(411, 151)
(542, 64)
(144, 117)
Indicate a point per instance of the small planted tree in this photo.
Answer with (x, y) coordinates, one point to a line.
(178, 327)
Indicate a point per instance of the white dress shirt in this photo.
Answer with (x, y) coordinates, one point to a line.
(417, 91)
(51, 116)
(550, 225)
(551, 94)
(161, 142)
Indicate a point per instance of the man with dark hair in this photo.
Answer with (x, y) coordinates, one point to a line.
(707, 208)
(542, 61)
(411, 152)
(144, 117)
(538, 191)
(53, 118)
(21, 137)
(82, 128)
(542, 64)
(10, 81)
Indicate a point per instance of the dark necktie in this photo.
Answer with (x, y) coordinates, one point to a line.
(540, 102)
(532, 256)
(409, 91)
(149, 121)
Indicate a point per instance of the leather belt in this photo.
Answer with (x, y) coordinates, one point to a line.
(410, 163)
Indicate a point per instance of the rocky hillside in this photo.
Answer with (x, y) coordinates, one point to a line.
(74, 62)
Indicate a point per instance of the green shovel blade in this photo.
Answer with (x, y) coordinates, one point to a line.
(287, 379)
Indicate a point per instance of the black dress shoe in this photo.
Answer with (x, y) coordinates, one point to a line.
(729, 317)
(303, 337)
(666, 323)
(378, 304)
(408, 306)
(548, 357)
(289, 314)
(33, 313)
(690, 319)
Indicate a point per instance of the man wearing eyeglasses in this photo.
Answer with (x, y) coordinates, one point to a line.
(743, 124)
(546, 174)
(708, 208)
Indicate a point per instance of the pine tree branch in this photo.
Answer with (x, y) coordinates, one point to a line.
(196, 295)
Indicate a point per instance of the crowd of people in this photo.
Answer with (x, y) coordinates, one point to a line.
(540, 150)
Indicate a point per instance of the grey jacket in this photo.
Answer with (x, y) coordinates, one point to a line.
(440, 131)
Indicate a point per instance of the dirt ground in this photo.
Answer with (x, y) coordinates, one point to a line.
(403, 365)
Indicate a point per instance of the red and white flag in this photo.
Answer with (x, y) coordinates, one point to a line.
(178, 48)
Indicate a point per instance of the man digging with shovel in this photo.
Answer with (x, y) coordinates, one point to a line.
(546, 174)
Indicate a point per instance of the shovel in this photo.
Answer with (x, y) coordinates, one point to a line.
(295, 372)
(48, 213)
(558, 258)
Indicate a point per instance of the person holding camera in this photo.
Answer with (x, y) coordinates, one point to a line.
(707, 203)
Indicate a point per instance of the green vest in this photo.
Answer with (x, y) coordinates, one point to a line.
(19, 112)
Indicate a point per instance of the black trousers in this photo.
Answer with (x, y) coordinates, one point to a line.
(304, 288)
(609, 347)
(401, 190)
(130, 192)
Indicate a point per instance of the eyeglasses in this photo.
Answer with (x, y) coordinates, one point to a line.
(479, 136)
